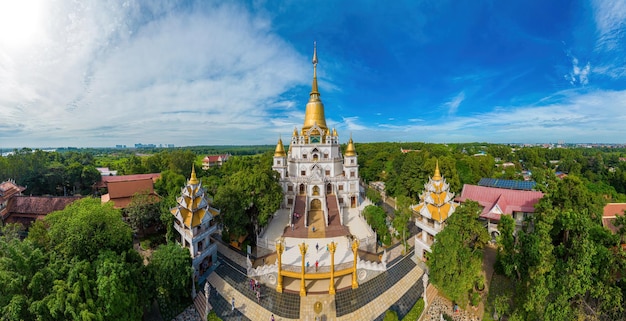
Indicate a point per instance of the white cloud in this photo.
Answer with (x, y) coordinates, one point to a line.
(579, 75)
(610, 18)
(575, 118)
(453, 104)
(108, 73)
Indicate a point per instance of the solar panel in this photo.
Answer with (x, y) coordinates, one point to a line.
(507, 183)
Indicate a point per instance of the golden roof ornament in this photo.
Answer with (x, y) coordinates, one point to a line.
(314, 113)
(280, 149)
(437, 176)
(350, 151)
(295, 132)
(335, 132)
(193, 180)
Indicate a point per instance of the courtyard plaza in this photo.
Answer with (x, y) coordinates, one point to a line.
(397, 288)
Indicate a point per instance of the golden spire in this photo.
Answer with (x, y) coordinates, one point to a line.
(335, 132)
(280, 149)
(437, 176)
(314, 114)
(350, 151)
(295, 132)
(193, 180)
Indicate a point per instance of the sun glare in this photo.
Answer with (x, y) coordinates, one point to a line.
(20, 22)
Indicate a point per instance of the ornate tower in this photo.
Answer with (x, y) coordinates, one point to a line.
(436, 205)
(195, 224)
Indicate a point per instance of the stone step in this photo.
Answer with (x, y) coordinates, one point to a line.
(200, 303)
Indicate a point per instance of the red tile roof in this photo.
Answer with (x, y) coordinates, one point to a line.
(122, 192)
(8, 189)
(507, 200)
(26, 209)
(611, 210)
(122, 178)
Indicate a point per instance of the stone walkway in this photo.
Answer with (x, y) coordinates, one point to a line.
(398, 288)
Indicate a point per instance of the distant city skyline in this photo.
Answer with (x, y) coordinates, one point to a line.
(189, 73)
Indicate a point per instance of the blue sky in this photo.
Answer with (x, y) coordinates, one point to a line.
(101, 73)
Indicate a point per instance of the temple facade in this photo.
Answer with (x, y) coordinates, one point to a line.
(315, 176)
(195, 223)
(436, 205)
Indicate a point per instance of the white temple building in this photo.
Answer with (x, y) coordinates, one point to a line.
(436, 205)
(317, 179)
(195, 224)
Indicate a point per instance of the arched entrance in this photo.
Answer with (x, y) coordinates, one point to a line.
(315, 205)
(302, 189)
(329, 188)
(353, 201)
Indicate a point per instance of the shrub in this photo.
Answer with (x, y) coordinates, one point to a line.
(415, 312)
(390, 315)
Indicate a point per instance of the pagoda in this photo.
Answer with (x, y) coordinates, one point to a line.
(436, 205)
(195, 223)
(319, 182)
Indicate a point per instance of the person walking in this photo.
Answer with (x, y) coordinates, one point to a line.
(317, 247)
(272, 318)
(232, 304)
(316, 265)
(258, 296)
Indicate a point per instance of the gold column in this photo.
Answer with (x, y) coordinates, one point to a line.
(332, 247)
(303, 248)
(280, 248)
(355, 249)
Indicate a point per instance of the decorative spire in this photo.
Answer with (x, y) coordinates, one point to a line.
(280, 149)
(350, 151)
(314, 90)
(335, 132)
(314, 114)
(295, 132)
(193, 180)
(437, 176)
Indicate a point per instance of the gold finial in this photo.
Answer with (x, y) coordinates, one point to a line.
(280, 149)
(437, 176)
(314, 108)
(193, 180)
(295, 132)
(335, 132)
(350, 151)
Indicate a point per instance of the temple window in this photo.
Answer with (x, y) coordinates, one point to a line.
(304, 156)
(325, 155)
(277, 162)
(315, 157)
(352, 161)
(327, 172)
(290, 188)
(351, 174)
(302, 173)
(341, 187)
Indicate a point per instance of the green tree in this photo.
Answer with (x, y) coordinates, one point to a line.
(143, 211)
(456, 260)
(86, 227)
(171, 271)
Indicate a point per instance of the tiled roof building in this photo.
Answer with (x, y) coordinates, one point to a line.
(500, 201)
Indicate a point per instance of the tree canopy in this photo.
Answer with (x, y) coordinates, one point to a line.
(455, 263)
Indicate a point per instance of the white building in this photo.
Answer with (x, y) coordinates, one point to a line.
(194, 222)
(314, 174)
(436, 205)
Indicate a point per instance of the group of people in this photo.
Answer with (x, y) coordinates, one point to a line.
(255, 286)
